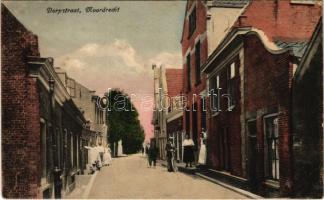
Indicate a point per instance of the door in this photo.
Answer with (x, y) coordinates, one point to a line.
(195, 126)
(225, 149)
(252, 155)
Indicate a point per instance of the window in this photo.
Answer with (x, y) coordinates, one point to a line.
(197, 59)
(232, 70)
(203, 112)
(192, 22)
(75, 151)
(71, 149)
(271, 147)
(71, 87)
(58, 146)
(214, 90)
(188, 73)
(43, 148)
(187, 120)
(231, 84)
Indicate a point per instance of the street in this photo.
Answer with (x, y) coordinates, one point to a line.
(130, 177)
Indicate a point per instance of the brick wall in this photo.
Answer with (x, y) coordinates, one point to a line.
(20, 111)
(281, 19)
(229, 120)
(268, 79)
(189, 43)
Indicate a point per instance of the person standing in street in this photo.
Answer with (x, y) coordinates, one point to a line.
(153, 152)
(188, 151)
(202, 152)
(101, 151)
(93, 157)
(169, 148)
(147, 148)
(107, 156)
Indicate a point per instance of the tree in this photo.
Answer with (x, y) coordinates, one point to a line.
(123, 122)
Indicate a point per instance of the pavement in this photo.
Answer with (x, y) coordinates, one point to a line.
(131, 178)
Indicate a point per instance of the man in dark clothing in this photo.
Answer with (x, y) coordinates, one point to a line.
(153, 152)
(169, 148)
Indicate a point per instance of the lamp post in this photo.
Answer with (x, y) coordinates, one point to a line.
(56, 169)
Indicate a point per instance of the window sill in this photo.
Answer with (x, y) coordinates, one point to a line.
(272, 184)
(309, 2)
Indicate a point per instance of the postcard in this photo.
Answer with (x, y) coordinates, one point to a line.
(197, 99)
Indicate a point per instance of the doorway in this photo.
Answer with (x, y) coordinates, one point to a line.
(252, 155)
(225, 153)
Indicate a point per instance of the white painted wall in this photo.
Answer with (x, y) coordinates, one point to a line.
(219, 25)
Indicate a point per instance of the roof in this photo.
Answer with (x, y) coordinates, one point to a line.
(230, 3)
(174, 81)
(298, 48)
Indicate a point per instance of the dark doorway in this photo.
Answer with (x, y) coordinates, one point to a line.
(252, 155)
(187, 121)
(225, 154)
(195, 126)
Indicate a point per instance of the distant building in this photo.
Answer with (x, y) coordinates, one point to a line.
(87, 101)
(174, 115)
(41, 125)
(160, 109)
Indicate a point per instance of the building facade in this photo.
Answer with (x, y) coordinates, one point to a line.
(41, 125)
(308, 120)
(249, 78)
(160, 109)
(174, 117)
(203, 29)
(87, 101)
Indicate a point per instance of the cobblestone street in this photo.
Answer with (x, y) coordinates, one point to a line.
(130, 177)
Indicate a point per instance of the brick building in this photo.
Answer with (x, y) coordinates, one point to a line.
(86, 100)
(308, 119)
(41, 126)
(203, 29)
(174, 116)
(160, 109)
(251, 71)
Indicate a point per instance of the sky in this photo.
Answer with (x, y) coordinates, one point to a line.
(108, 50)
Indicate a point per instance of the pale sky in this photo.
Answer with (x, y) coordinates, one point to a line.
(108, 50)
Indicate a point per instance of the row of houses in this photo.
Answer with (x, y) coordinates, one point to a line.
(47, 119)
(252, 77)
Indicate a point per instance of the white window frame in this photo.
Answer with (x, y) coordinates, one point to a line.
(307, 2)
